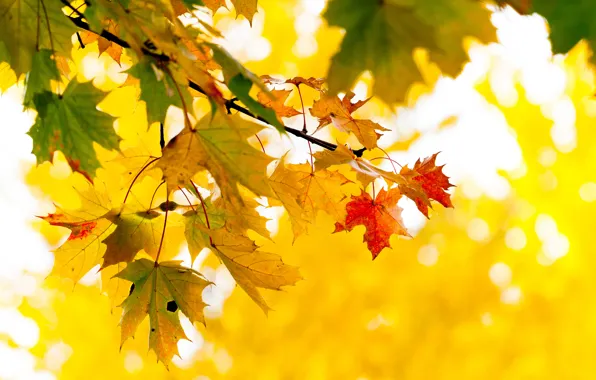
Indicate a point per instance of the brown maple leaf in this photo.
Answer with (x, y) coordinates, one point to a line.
(381, 217)
(332, 109)
(431, 179)
(278, 104)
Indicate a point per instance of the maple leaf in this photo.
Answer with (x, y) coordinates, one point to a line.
(251, 268)
(278, 105)
(24, 31)
(303, 193)
(381, 217)
(332, 109)
(214, 5)
(382, 35)
(88, 227)
(203, 54)
(315, 83)
(158, 90)
(135, 230)
(104, 46)
(159, 290)
(246, 8)
(432, 180)
(71, 123)
(43, 70)
(218, 144)
(286, 185)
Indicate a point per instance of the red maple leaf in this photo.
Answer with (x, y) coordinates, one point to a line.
(381, 217)
(431, 179)
(78, 229)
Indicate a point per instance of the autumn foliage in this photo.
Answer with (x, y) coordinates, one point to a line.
(146, 192)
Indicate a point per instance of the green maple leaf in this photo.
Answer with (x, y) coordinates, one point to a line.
(71, 124)
(27, 26)
(158, 90)
(159, 290)
(381, 36)
(43, 69)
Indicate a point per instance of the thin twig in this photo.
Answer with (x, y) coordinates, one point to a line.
(229, 104)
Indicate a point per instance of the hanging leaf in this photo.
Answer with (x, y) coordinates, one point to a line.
(381, 217)
(251, 268)
(160, 289)
(71, 124)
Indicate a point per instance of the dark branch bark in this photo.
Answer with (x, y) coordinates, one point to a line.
(230, 104)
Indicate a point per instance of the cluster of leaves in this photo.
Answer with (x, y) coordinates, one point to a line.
(174, 63)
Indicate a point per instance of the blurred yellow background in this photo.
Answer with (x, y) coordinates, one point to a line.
(499, 287)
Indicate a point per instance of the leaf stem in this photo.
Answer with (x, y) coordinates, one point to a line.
(185, 196)
(204, 212)
(184, 107)
(136, 177)
(163, 233)
(303, 114)
(260, 142)
(202, 204)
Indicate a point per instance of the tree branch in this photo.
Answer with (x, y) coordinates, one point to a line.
(229, 104)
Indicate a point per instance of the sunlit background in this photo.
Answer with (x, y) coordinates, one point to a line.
(502, 286)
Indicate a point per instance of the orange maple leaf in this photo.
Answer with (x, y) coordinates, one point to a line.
(381, 217)
(104, 46)
(312, 82)
(332, 109)
(433, 181)
(278, 104)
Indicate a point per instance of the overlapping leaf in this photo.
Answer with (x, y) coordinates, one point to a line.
(218, 144)
(278, 104)
(104, 46)
(252, 268)
(432, 180)
(29, 25)
(332, 109)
